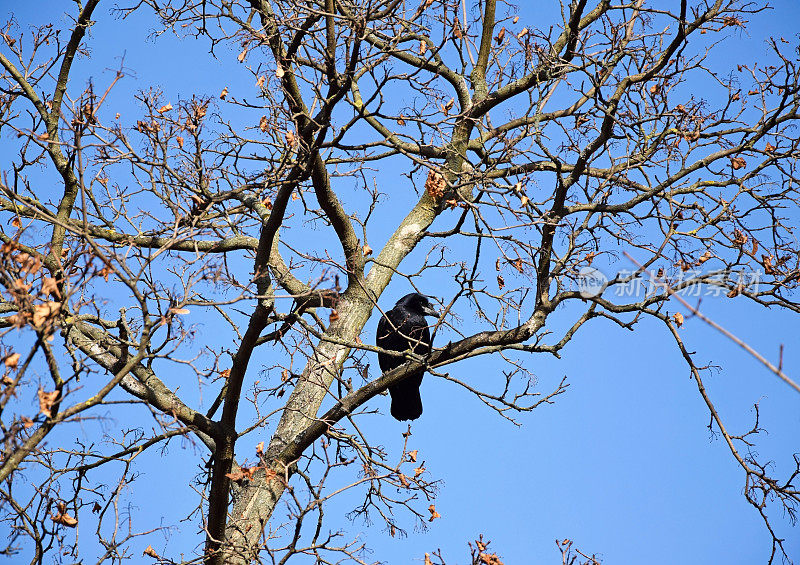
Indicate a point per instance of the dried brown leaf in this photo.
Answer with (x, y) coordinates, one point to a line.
(12, 360)
(435, 185)
(50, 286)
(64, 520)
(434, 513)
(46, 401)
(45, 312)
(766, 260)
(705, 257)
(738, 163)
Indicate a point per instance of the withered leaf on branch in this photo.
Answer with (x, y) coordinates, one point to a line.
(766, 260)
(738, 163)
(449, 106)
(678, 317)
(62, 517)
(45, 312)
(434, 513)
(435, 185)
(242, 474)
(64, 520)
(46, 401)
(50, 286)
(705, 257)
(246, 473)
(12, 360)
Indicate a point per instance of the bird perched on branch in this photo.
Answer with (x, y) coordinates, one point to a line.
(403, 329)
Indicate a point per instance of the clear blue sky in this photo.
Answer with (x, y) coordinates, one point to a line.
(623, 463)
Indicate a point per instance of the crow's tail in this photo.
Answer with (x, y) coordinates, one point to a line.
(406, 400)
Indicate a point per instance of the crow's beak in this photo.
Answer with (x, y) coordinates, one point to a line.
(429, 310)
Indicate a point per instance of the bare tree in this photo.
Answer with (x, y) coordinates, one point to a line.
(538, 155)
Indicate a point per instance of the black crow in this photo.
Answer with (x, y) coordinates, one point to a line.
(403, 328)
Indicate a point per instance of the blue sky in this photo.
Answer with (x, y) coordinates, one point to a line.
(622, 463)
